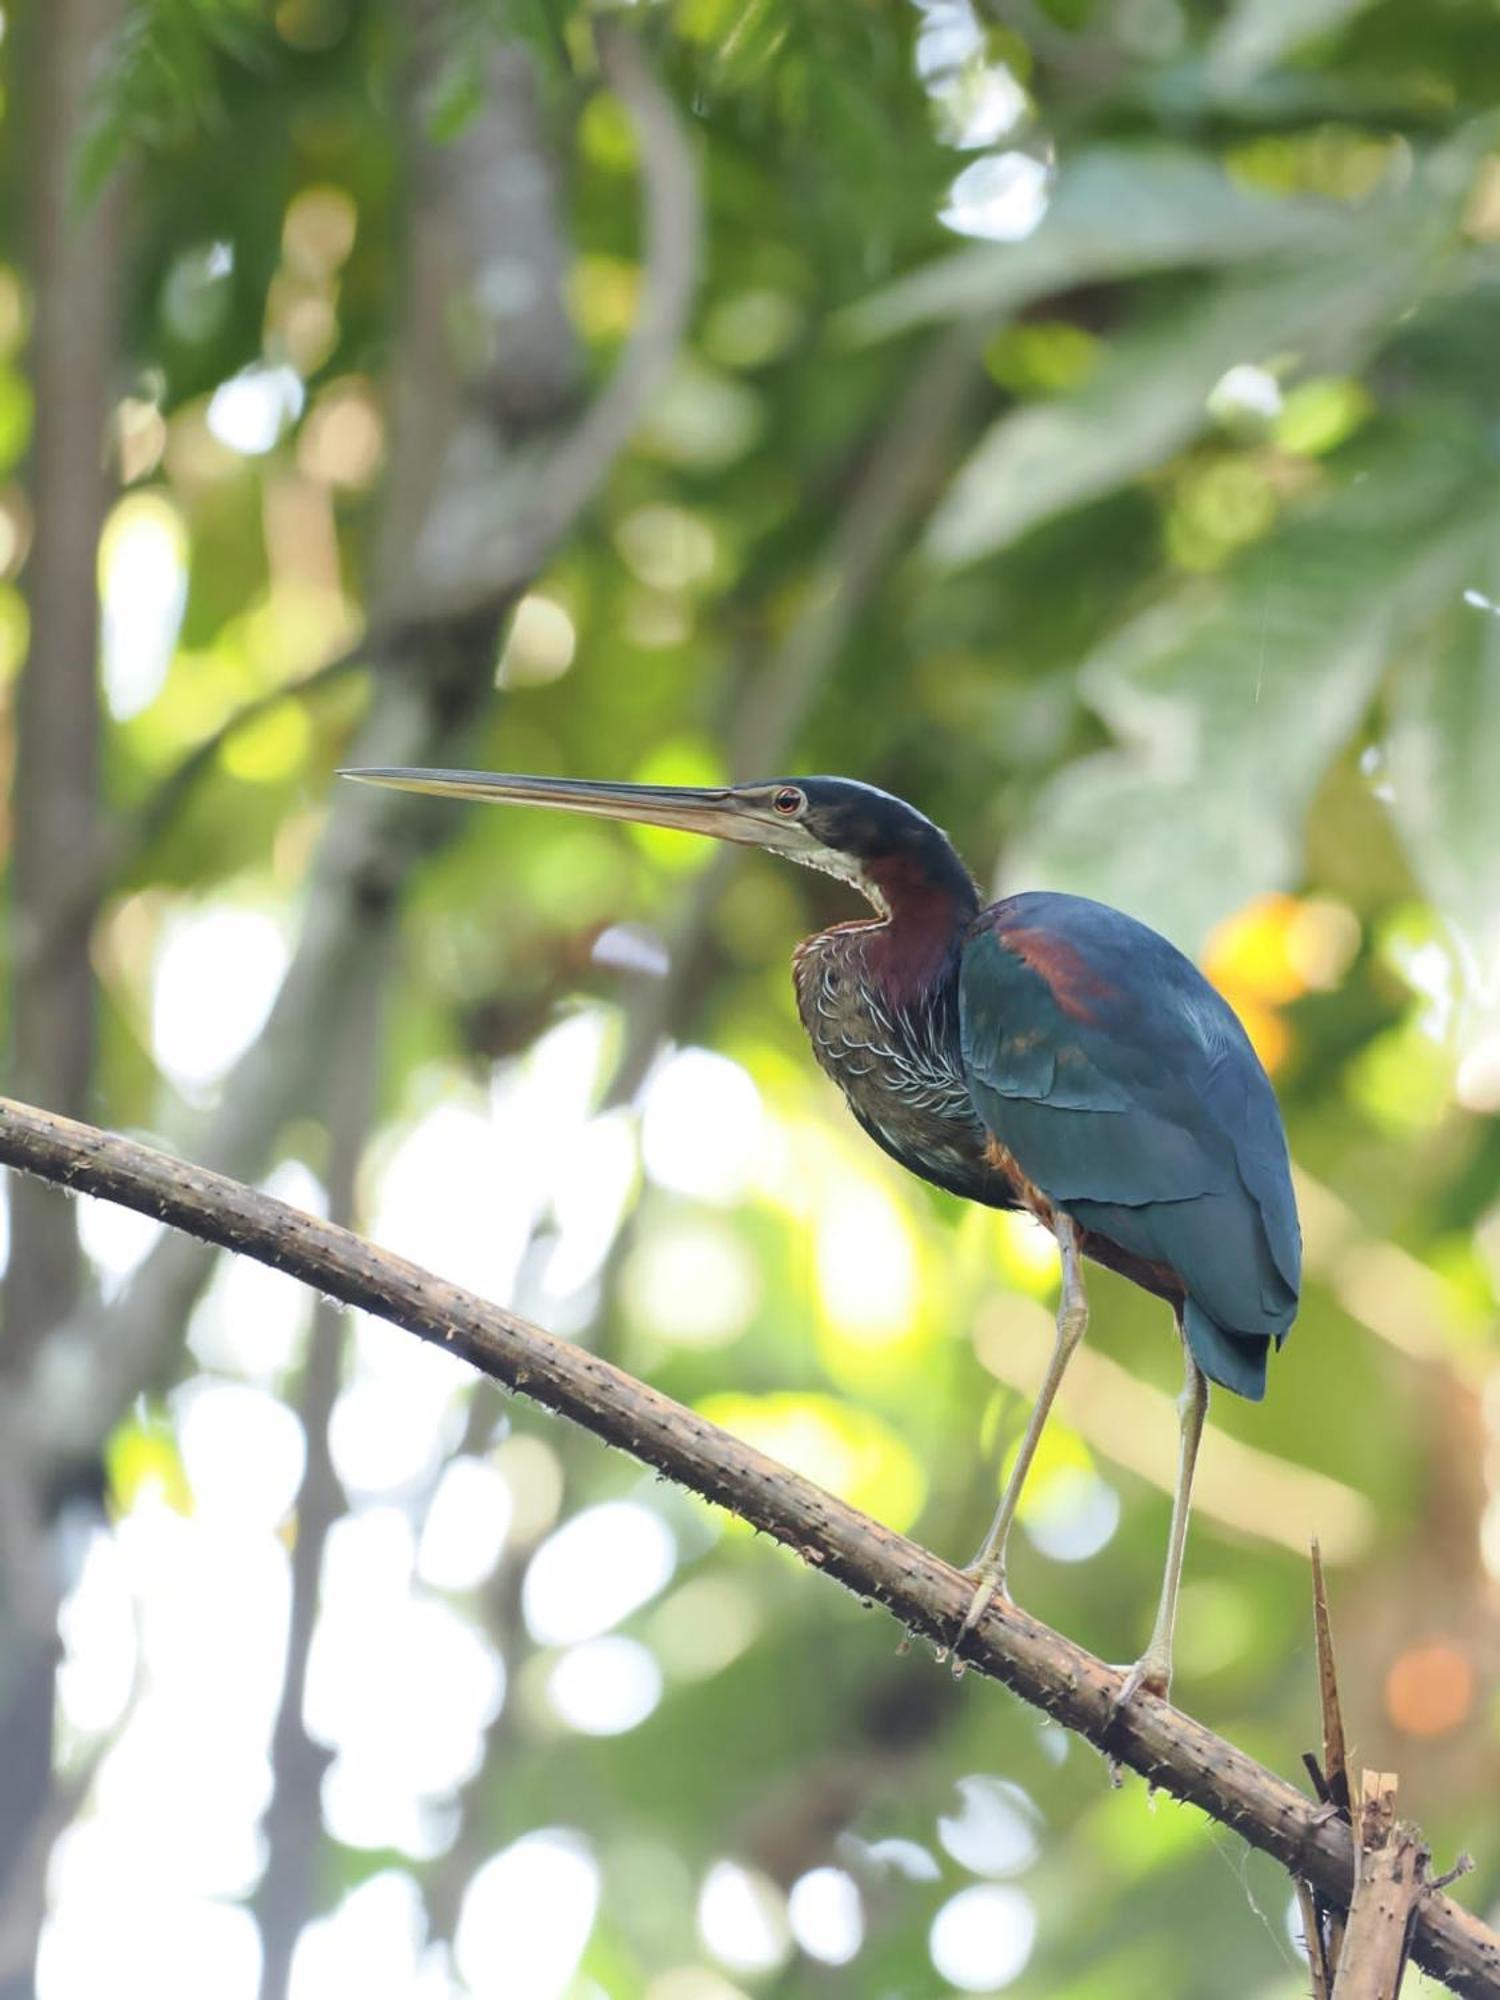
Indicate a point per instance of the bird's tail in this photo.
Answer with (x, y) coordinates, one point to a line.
(1238, 1360)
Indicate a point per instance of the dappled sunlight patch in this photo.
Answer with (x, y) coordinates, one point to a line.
(692, 1282)
(465, 1525)
(1000, 197)
(1062, 1460)
(742, 1918)
(533, 1472)
(1402, 1080)
(590, 1201)
(96, 1627)
(105, 1918)
(304, 620)
(451, 1193)
(143, 580)
(527, 1915)
(702, 419)
(866, 1262)
(995, 1829)
(1318, 415)
(850, 1452)
(1071, 1515)
(704, 1627)
(398, 1413)
(668, 548)
(826, 1914)
(603, 291)
(539, 644)
(143, 1458)
(342, 442)
(398, 1748)
(982, 1938)
(242, 1451)
(1250, 952)
(1026, 1252)
(1420, 947)
(701, 1120)
(750, 328)
(252, 1321)
(595, 1570)
(1277, 948)
(250, 412)
(908, 1859)
(605, 1686)
(1272, 951)
(271, 747)
(371, 1944)
(218, 969)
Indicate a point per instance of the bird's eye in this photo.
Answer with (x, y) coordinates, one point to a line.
(788, 802)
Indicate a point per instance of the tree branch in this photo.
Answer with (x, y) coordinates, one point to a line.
(489, 535)
(1173, 1752)
(497, 449)
(293, 1823)
(1390, 1872)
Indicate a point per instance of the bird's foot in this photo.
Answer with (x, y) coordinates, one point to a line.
(1152, 1671)
(989, 1584)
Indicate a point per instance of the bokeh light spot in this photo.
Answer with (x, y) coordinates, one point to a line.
(994, 1832)
(605, 1686)
(981, 1938)
(700, 1124)
(827, 1915)
(742, 1918)
(849, 1450)
(1430, 1689)
(526, 1917)
(595, 1570)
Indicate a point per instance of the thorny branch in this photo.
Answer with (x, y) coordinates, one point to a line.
(1174, 1753)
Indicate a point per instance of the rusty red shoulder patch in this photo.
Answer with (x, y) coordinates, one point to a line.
(1061, 966)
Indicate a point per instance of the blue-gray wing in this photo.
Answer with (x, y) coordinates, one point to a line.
(1127, 1091)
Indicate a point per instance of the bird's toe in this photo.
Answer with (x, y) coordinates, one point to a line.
(1152, 1673)
(989, 1586)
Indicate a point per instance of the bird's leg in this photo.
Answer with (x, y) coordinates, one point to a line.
(988, 1567)
(1153, 1669)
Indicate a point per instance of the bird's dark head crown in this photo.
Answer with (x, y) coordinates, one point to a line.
(867, 837)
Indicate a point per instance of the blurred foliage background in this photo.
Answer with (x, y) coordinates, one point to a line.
(1078, 416)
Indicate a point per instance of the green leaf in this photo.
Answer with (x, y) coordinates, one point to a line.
(1231, 699)
(1116, 210)
(1258, 33)
(1149, 397)
(1444, 762)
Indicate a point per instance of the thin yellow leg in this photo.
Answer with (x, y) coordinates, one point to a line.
(1154, 1668)
(988, 1567)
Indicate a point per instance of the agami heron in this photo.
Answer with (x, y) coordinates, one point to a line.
(1044, 1053)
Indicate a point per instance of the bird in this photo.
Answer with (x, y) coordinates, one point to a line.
(1044, 1053)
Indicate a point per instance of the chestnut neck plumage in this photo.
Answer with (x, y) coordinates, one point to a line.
(927, 902)
(879, 1001)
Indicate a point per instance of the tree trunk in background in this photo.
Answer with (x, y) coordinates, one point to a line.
(54, 834)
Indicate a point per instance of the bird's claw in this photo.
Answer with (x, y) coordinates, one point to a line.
(1149, 1672)
(989, 1584)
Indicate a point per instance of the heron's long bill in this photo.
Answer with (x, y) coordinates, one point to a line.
(741, 813)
